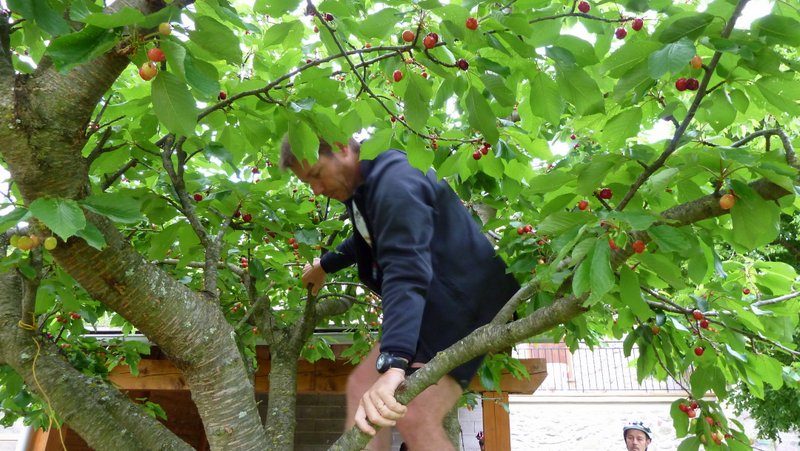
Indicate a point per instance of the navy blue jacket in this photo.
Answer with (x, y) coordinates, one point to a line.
(437, 274)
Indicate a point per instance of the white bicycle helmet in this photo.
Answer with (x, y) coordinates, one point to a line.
(639, 426)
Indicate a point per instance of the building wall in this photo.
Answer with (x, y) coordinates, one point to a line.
(545, 422)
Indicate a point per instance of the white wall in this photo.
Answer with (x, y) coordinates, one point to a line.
(542, 422)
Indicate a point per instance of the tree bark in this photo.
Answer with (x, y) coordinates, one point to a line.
(103, 417)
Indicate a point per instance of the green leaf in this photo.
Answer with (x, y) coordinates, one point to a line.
(201, 76)
(691, 443)
(77, 48)
(602, 276)
(419, 155)
(770, 370)
(480, 115)
(545, 98)
(778, 29)
(717, 110)
(633, 54)
(664, 268)
(379, 142)
(621, 127)
(631, 295)
(303, 140)
(417, 102)
(690, 27)
(559, 222)
(581, 280)
(595, 172)
(275, 8)
(580, 89)
(92, 235)
(381, 23)
(217, 39)
(43, 14)
(12, 218)
(669, 239)
(125, 16)
(756, 222)
(705, 378)
(498, 89)
(674, 57)
(782, 92)
(118, 207)
(173, 104)
(280, 33)
(63, 216)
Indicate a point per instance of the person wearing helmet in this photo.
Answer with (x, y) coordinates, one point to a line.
(637, 436)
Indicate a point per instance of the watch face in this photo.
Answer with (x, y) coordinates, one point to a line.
(380, 364)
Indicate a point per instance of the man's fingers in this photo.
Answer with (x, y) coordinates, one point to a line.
(362, 423)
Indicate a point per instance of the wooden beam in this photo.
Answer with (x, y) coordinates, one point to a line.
(323, 376)
(496, 422)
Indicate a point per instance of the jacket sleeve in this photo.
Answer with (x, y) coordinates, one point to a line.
(342, 257)
(402, 211)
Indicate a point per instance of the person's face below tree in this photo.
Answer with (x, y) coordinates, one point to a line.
(336, 175)
(636, 440)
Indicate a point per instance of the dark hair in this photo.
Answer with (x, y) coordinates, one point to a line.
(288, 158)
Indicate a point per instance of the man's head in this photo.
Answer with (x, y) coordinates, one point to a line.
(637, 436)
(336, 174)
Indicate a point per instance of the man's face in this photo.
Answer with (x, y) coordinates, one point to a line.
(636, 440)
(335, 176)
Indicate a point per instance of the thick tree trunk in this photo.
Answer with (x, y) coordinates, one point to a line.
(103, 416)
(282, 403)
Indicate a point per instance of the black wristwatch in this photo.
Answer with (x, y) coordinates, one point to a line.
(388, 360)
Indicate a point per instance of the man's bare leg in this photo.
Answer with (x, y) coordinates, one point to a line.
(359, 380)
(423, 426)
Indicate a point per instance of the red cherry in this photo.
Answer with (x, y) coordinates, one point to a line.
(573, 137)
(408, 35)
(148, 71)
(746, 290)
(329, 17)
(291, 241)
(520, 230)
(156, 55)
(398, 75)
(295, 245)
(637, 24)
(710, 421)
(727, 201)
(462, 64)
(694, 405)
(620, 33)
(704, 324)
(430, 40)
(583, 204)
(528, 228)
(698, 315)
(606, 193)
(222, 95)
(477, 155)
(584, 7)
(683, 407)
(484, 150)
(698, 351)
(692, 84)
(198, 197)
(691, 414)
(247, 217)
(424, 75)
(681, 84)
(612, 244)
(638, 246)
(392, 118)
(472, 23)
